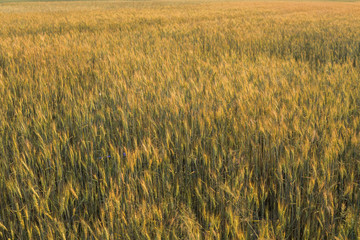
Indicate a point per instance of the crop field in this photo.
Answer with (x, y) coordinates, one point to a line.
(180, 120)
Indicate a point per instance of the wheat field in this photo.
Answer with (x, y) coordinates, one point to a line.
(180, 120)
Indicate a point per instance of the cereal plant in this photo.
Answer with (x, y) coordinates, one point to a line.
(179, 120)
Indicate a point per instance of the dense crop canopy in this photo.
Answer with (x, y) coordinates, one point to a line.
(179, 120)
